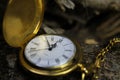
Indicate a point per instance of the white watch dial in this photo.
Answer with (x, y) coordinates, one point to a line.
(49, 51)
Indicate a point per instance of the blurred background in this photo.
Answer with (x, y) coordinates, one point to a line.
(91, 22)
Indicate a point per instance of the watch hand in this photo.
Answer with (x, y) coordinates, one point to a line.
(45, 49)
(48, 42)
(39, 49)
(55, 44)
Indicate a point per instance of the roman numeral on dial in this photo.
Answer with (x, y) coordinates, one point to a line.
(52, 38)
(65, 56)
(57, 60)
(33, 55)
(35, 43)
(39, 59)
(68, 50)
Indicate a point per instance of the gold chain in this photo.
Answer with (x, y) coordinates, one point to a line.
(100, 56)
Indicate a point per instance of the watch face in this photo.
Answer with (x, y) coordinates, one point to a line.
(48, 51)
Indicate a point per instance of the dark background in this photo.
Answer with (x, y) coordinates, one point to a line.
(83, 24)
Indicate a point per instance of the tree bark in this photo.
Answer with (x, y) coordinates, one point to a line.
(101, 4)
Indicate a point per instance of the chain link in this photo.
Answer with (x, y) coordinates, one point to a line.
(100, 56)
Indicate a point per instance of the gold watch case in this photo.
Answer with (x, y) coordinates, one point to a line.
(54, 71)
(21, 23)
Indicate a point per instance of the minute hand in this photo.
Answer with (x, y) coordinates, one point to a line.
(48, 42)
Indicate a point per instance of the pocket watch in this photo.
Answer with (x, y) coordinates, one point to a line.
(50, 55)
(46, 54)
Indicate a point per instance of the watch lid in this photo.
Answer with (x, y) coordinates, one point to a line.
(22, 21)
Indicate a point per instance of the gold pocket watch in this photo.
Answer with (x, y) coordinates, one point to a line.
(50, 55)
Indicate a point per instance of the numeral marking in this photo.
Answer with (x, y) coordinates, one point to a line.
(57, 60)
(48, 63)
(60, 40)
(33, 55)
(39, 59)
(52, 38)
(32, 48)
(65, 56)
(35, 43)
(67, 44)
(68, 50)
